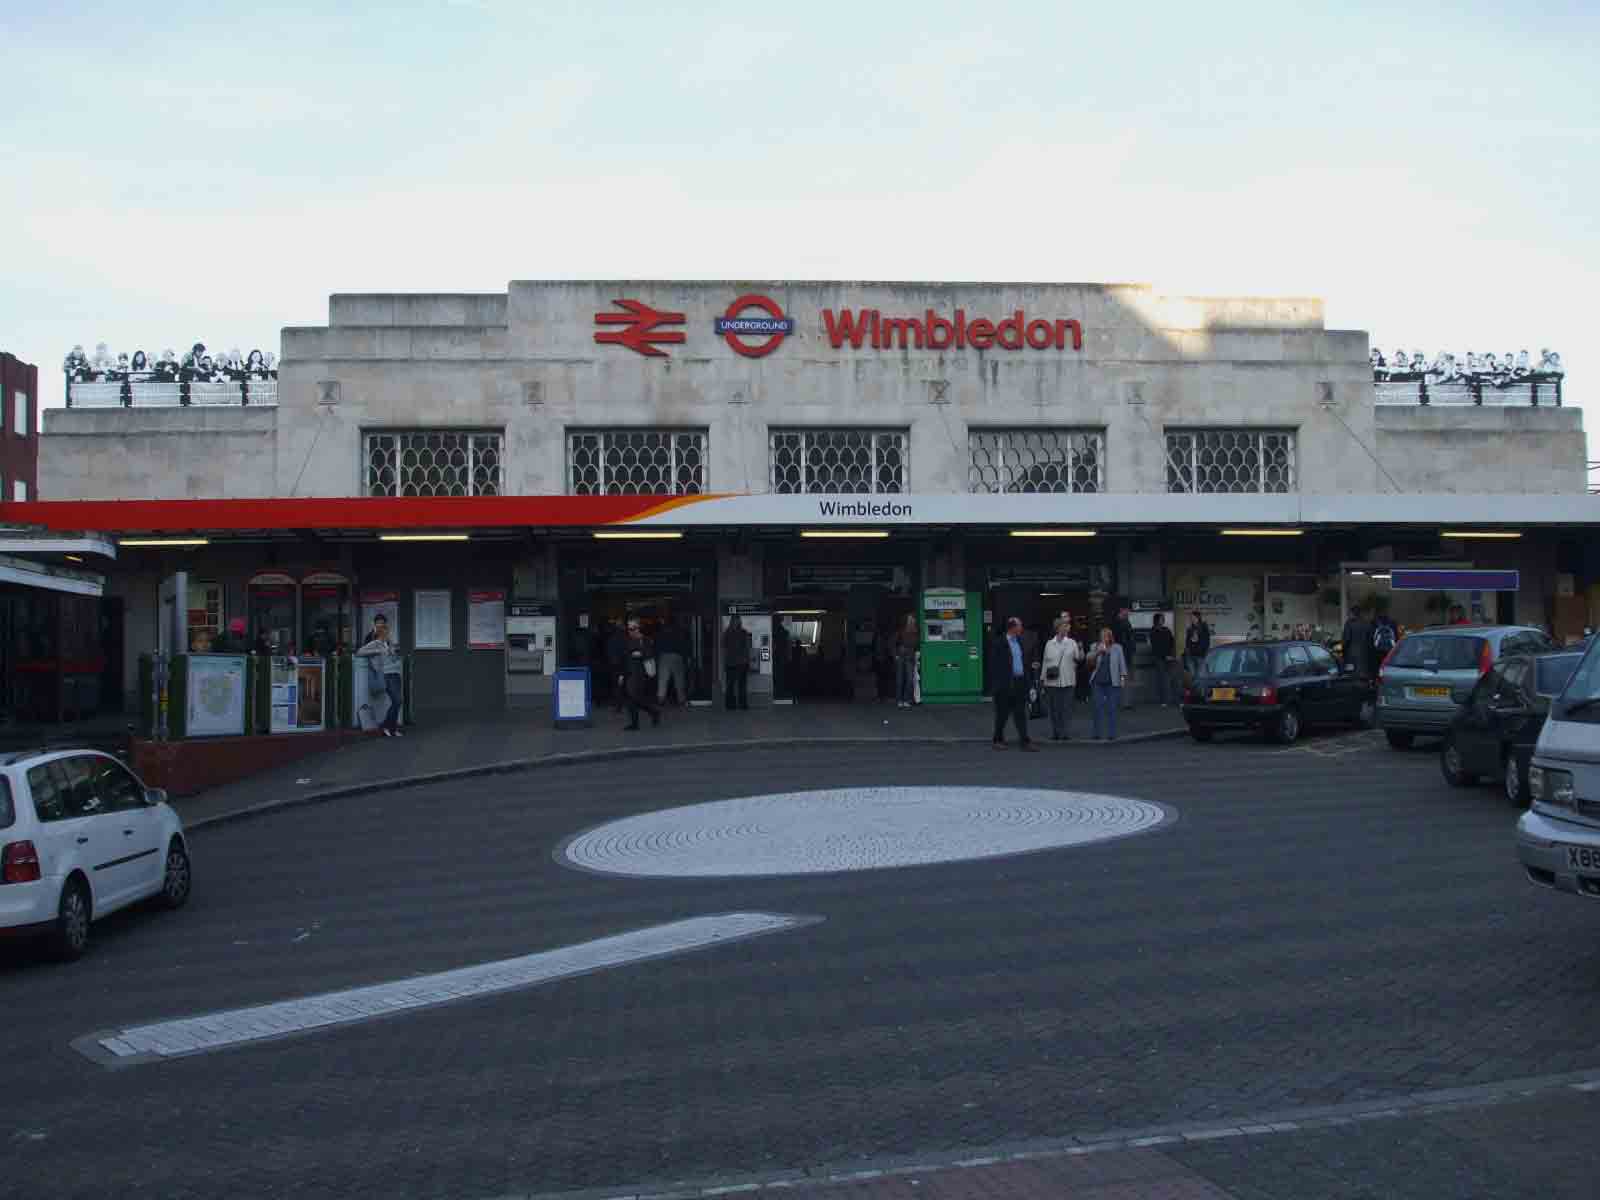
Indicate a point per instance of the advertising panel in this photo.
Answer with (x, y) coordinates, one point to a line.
(385, 604)
(1230, 604)
(297, 694)
(432, 619)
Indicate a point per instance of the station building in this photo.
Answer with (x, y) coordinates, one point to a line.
(511, 475)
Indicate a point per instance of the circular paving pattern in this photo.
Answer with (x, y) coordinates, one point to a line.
(855, 829)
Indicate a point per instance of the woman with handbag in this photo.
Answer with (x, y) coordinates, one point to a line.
(1061, 658)
(639, 686)
(1108, 671)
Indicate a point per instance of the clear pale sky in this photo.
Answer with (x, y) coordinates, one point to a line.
(184, 173)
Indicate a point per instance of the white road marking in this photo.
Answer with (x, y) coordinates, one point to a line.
(856, 829)
(235, 1027)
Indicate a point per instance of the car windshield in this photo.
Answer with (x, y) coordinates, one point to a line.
(1580, 700)
(1253, 662)
(1436, 652)
(1552, 673)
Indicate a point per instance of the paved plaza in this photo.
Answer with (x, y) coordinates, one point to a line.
(1294, 972)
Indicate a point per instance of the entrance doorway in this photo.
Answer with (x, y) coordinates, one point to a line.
(837, 645)
(672, 620)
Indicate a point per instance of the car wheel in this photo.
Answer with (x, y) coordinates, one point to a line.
(1202, 733)
(1516, 794)
(1285, 728)
(1450, 765)
(1400, 741)
(1366, 715)
(70, 938)
(179, 878)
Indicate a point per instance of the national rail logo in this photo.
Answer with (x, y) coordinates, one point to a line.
(734, 326)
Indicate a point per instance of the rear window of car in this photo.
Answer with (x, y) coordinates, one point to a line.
(1439, 653)
(1553, 673)
(1252, 662)
(8, 811)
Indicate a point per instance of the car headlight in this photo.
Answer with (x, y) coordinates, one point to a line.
(1550, 786)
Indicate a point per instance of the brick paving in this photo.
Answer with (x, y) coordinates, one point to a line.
(527, 735)
(1323, 926)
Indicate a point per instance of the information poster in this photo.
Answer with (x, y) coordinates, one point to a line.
(1230, 604)
(385, 604)
(216, 695)
(297, 694)
(433, 619)
(486, 620)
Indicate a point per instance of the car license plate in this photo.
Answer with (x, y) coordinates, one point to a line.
(1431, 693)
(1224, 694)
(1580, 858)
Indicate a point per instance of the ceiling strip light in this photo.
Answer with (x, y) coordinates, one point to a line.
(1479, 533)
(1054, 532)
(163, 541)
(424, 537)
(640, 536)
(844, 533)
(1262, 532)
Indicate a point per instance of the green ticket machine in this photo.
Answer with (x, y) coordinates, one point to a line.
(952, 646)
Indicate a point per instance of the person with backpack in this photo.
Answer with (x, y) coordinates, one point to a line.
(1384, 639)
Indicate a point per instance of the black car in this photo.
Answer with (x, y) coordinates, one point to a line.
(1494, 730)
(1277, 687)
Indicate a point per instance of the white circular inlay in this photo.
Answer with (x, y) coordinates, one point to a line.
(855, 829)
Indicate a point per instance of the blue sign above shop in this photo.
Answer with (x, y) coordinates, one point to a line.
(1455, 581)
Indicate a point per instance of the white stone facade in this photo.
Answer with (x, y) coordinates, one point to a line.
(527, 363)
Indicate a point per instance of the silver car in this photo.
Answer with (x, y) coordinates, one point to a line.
(1430, 674)
(1558, 839)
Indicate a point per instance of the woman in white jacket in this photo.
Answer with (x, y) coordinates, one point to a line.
(1060, 678)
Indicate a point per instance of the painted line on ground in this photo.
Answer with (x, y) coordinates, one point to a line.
(581, 757)
(229, 1028)
(1159, 1138)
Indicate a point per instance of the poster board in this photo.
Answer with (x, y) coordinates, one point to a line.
(297, 694)
(386, 604)
(431, 619)
(216, 695)
(486, 620)
(573, 697)
(1230, 604)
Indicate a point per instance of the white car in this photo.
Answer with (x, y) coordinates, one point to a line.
(1558, 838)
(81, 837)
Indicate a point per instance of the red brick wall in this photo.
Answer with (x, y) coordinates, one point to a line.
(187, 767)
(19, 456)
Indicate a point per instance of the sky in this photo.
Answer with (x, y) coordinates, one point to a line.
(188, 172)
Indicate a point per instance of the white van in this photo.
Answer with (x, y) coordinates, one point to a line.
(1558, 838)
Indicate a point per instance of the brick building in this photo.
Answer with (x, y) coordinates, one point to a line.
(19, 441)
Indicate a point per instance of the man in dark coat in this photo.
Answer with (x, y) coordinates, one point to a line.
(1162, 653)
(1122, 632)
(736, 652)
(616, 650)
(1008, 684)
(1357, 636)
(1196, 643)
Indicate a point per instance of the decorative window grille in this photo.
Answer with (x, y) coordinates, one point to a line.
(838, 461)
(1036, 460)
(434, 462)
(636, 462)
(1231, 460)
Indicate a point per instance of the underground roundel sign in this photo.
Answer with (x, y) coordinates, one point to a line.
(767, 321)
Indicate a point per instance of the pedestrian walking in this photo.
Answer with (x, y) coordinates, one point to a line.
(616, 649)
(906, 643)
(1196, 644)
(1008, 679)
(1383, 640)
(736, 650)
(1108, 671)
(639, 665)
(1122, 633)
(672, 649)
(1162, 648)
(1061, 658)
(1354, 638)
(380, 651)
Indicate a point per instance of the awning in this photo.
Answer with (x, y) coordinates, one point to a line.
(49, 579)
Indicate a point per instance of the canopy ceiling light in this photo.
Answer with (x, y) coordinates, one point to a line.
(1262, 532)
(653, 535)
(1504, 534)
(844, 533)
(163, 541)
(1054, 532)
(423, 537)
